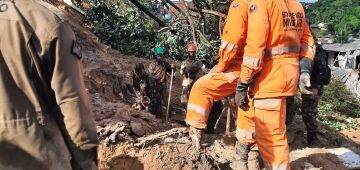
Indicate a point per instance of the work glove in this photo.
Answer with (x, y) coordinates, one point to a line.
(241, 97)
(304, 84)
(305, 70)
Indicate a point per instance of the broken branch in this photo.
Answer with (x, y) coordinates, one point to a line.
(219, 14)
(143, 140)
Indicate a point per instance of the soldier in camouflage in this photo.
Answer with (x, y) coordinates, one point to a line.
(45, 115)
(160, 69)
(148, 95)
(320, 76)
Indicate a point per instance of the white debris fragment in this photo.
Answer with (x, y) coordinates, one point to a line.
(350, 159)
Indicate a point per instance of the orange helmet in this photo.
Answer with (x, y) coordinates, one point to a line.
(191, 48)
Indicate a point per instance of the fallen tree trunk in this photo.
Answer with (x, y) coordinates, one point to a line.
(147, 12)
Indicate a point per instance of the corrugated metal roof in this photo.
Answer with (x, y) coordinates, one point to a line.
(342, 47)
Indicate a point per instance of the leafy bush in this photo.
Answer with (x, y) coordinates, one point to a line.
(337, 107)
(122, 28)
(339, 99)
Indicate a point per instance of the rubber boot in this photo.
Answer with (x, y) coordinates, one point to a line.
(242, 150)
(254, 160)
(196, 135)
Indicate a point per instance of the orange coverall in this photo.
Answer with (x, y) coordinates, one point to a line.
(215, 86)
(245, 126)
(278, 36)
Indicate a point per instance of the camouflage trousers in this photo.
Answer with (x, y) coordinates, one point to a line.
(309, 110)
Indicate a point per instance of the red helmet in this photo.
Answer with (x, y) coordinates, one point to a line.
(191, 48)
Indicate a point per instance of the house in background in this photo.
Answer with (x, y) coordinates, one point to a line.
(345, 56)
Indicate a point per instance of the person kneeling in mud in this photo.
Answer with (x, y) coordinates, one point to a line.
(148, 96)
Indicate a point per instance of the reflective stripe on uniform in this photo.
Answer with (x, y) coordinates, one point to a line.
(282, 50)
(251, 61)
(270, 166)
(268, 103)
(228, 46)
(244, 134)
(307, 48)
(197, 109)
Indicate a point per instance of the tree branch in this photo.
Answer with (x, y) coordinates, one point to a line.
(147, 12)
(191, 21)
(208, 12)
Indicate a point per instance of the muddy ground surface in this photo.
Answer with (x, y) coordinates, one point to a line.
(122, 129)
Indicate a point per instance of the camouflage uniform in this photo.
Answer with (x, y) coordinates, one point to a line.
(148, 93)
(159, 69)
(45, 114)
(191, 71)
(320, 76)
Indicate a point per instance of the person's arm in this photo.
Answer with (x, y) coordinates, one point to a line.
(257, 35)
(234, 31)
(68, 85)
(308, 47)
(168, 67)
(183, 68)
(136, 81)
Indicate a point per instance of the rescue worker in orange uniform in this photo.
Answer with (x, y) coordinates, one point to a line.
(279, 43)
(222, 79)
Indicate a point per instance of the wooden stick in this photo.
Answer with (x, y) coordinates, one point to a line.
(147, 139)
(169, 99)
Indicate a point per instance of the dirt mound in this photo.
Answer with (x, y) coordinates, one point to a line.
(169, 156)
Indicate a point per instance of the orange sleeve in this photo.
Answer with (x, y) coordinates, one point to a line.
(307, 42)
(257, 35)
(233, 34)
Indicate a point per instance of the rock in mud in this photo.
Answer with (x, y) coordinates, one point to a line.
(137, 128)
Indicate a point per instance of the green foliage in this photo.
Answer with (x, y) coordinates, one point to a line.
(344, 15)
(122, 28)
(338, 107)
(340, 99)
(125, 28)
